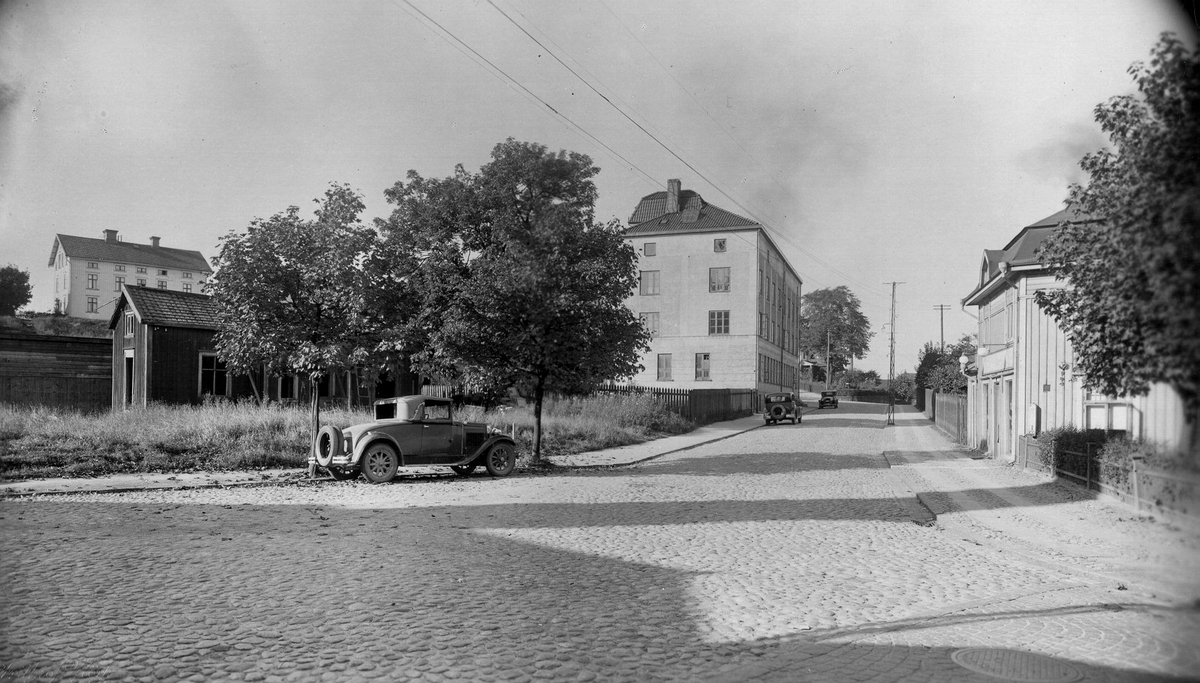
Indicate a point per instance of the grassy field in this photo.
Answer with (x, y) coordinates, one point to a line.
(37, 443)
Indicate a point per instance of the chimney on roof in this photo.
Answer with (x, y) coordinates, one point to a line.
(154, 242)
(673, 195)
(110, 235)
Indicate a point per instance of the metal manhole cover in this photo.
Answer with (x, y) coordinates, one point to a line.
(1015, 665)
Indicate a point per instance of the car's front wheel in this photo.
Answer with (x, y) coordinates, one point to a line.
(379, 463)
(500, 460)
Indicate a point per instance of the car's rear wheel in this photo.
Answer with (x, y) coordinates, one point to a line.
(342, 475)
(500, 460)
(464, 470)
(379, 463)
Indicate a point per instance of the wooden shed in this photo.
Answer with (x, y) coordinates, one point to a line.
(163, 350)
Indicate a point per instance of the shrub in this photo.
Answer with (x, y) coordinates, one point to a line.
(1067, 448)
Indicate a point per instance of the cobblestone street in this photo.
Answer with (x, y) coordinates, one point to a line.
(785, 553)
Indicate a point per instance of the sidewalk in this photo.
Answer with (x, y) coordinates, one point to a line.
(612, 457)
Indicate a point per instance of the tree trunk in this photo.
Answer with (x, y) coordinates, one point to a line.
(538, 393)
(254, 387)
(315, 424)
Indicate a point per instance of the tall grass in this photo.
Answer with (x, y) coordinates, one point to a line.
(578, 425)
(38, 442)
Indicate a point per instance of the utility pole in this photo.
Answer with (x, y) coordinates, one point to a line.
(941, 309)
(891, 411)
(828, 365)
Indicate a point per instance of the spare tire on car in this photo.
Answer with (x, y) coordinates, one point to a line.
(328, 445)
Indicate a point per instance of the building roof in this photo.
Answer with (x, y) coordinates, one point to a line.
(167, 308)
(695, 215)
(1021, 250)
(97, 249)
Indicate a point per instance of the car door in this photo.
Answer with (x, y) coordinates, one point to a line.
(441, 439)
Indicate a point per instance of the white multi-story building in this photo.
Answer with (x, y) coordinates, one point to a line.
(721, 301)
(89, 272)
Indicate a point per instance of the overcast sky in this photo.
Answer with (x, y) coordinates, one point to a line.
(880, 141)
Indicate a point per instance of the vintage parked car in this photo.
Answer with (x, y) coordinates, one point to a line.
(782, 407)
(828, 399)
(410, 431)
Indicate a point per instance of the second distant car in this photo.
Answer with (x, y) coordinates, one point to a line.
(829, 399)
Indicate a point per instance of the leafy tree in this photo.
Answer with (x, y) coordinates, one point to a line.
(904, 388)
(860, 379)
(519, 284)
(15, 290)
(940, 370)
(292, 294)
(1130, 309)
(832, 315)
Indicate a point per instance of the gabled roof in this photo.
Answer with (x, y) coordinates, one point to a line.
(127, 252)
(1021, 250)
(167, 308)
(695, 215)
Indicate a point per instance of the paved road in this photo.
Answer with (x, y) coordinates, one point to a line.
(785, 553)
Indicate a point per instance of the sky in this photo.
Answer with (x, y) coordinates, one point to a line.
(879, 142)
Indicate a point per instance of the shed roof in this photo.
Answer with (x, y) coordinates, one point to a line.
(128, 252)
(167, 308)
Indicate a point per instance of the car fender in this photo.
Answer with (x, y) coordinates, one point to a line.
(368, 438)
(495, 439)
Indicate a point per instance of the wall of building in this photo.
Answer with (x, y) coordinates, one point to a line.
(71, 283)
(53, 371)
(1048, 392)
(684, 302)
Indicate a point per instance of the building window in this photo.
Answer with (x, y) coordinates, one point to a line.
(120, 281)
(141, 269)
(1104, 412)
(187, 276)
(119, 268)
(93, 265)
(718, 322)
(162, 273)
(719, 244)
(162, 284)
(702, 366)
(187, 286)
(93, 304)
(650, 322)
(213, 376)
(93, 281)
(128, 324)
(664, 367)
(650, 249)
(650, 282)
(141, 282)
(718, 279)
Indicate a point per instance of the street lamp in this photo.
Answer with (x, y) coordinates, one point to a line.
(962, 363)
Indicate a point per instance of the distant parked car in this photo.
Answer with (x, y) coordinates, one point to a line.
(828, 399)
(411, 431)
(780, 407)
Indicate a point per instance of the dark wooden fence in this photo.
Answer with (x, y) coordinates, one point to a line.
(73, 373)
(698, 405)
